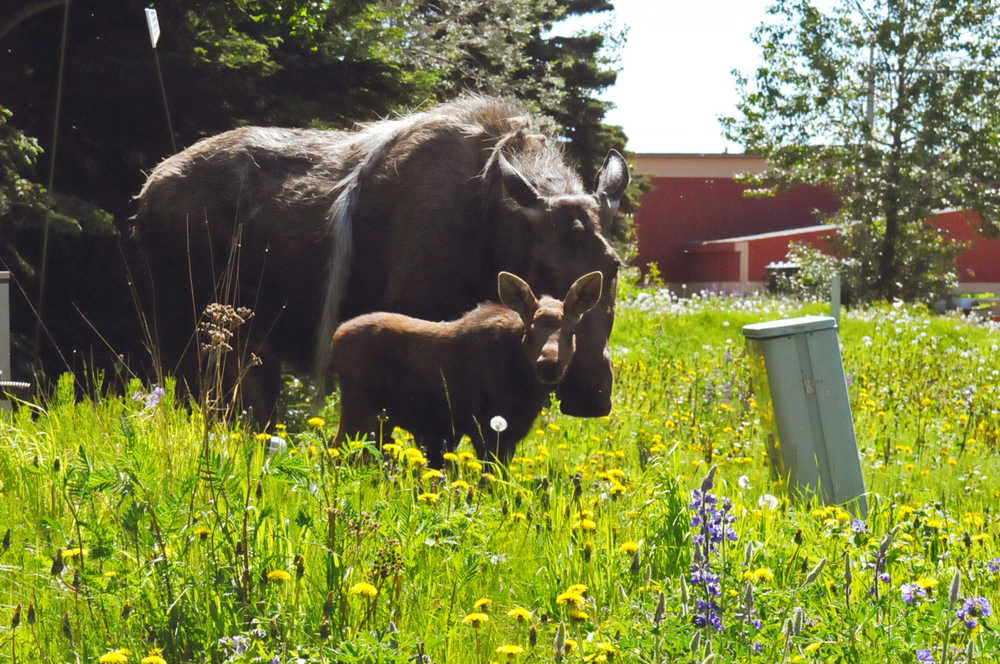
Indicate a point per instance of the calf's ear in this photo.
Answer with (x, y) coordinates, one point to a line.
(516, 293)
(583, 295)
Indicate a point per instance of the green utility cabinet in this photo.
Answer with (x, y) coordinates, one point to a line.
(799, 382)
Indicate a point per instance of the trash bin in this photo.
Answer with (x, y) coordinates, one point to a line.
(799, 382)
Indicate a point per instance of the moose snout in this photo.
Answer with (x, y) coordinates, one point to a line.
(549, 369)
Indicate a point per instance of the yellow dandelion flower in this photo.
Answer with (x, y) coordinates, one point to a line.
(482, 604)
(571, 645)
(263, 437)
(279, 576)
(460, 485)
(606, 647)
(578, 614)
(451, 457)
(934, 523)
(316, 422)
(758, 575)
(476, 467)
(629, 547)
(520, 614)
(578, 588)
(466, 455)
(281, 428)
(393, 449)
(586, 525)
(431, 474)
(153, 659)
(553, 426)
(475, 619)
(69, 554)
(113, 657)
(927, 582)
(812, 647)
(510, 651)
(571, 598)
(431, 498)
(363, 588)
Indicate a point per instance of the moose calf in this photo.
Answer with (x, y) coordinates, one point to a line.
(440, 380)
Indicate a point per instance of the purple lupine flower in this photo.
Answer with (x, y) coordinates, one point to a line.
(912, 592)
(924, 656)
(993, 565)
(712, 520)
(884, 577)
(859, 526)
(758, 646)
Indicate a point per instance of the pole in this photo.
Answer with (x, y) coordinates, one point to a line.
(153, 23)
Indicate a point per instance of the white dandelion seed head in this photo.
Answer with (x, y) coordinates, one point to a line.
(498, 423)
(767, 501)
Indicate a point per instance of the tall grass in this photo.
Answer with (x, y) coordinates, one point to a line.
(126, 538)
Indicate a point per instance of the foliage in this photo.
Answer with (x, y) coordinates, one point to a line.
(122, 533)
(26, 206)
(894, 105)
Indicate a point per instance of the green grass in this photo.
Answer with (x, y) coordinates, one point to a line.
(195, 542)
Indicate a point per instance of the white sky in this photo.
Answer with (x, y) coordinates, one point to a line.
(675, 76)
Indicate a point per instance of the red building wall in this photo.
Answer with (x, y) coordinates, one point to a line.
(680, 210)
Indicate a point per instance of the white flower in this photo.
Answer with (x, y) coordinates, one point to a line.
(498, 423)
(744, 481)
(767, 501)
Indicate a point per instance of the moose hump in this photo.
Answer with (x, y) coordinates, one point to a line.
(414, 215)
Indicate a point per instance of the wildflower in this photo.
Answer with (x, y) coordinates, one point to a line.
(113, 657)
(498, 423)
(859, 526)
(570, 645)
(586, 525)
(511, 651)
(993, 565)
(431, 474)
(973, 608)
(924, 656)
(713, 528)
(927, 582)
(69, 554)
(760, 574)
(629, 547)
(482, 604)
(519, 614)
(578, 614)
(912, 592)
(475, 619)
(153, 658)
(316, 422)
(460, 485)
(363, 588)
(572, 598)
(203, 533)
(431, 498)
(768, 502)
(278, 576)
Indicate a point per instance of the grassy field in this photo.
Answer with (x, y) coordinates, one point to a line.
(133, 534)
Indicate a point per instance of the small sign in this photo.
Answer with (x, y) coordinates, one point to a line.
(154, 26)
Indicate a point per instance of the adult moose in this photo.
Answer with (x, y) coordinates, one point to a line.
(414, 215)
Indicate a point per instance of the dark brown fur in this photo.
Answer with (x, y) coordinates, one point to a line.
(440, 380)
(415, 215)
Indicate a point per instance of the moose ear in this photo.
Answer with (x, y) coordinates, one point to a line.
(583, 295)
(516, 293)
(516, 185)
(612, 179)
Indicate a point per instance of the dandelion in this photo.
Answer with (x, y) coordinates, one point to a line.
(153, 658)
(113, 657)
(363, 588)
(759, 575)
(520, 614)
(498, 423)
(630, 547)
(475, 619)
(70, 554)
(768, 502)
(279, 576)
(586, 525)
(430, 498)
(316, 423)
(431, 474)
(510, 651)
(482, 604)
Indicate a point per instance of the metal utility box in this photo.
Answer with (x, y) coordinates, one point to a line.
(799, 382)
